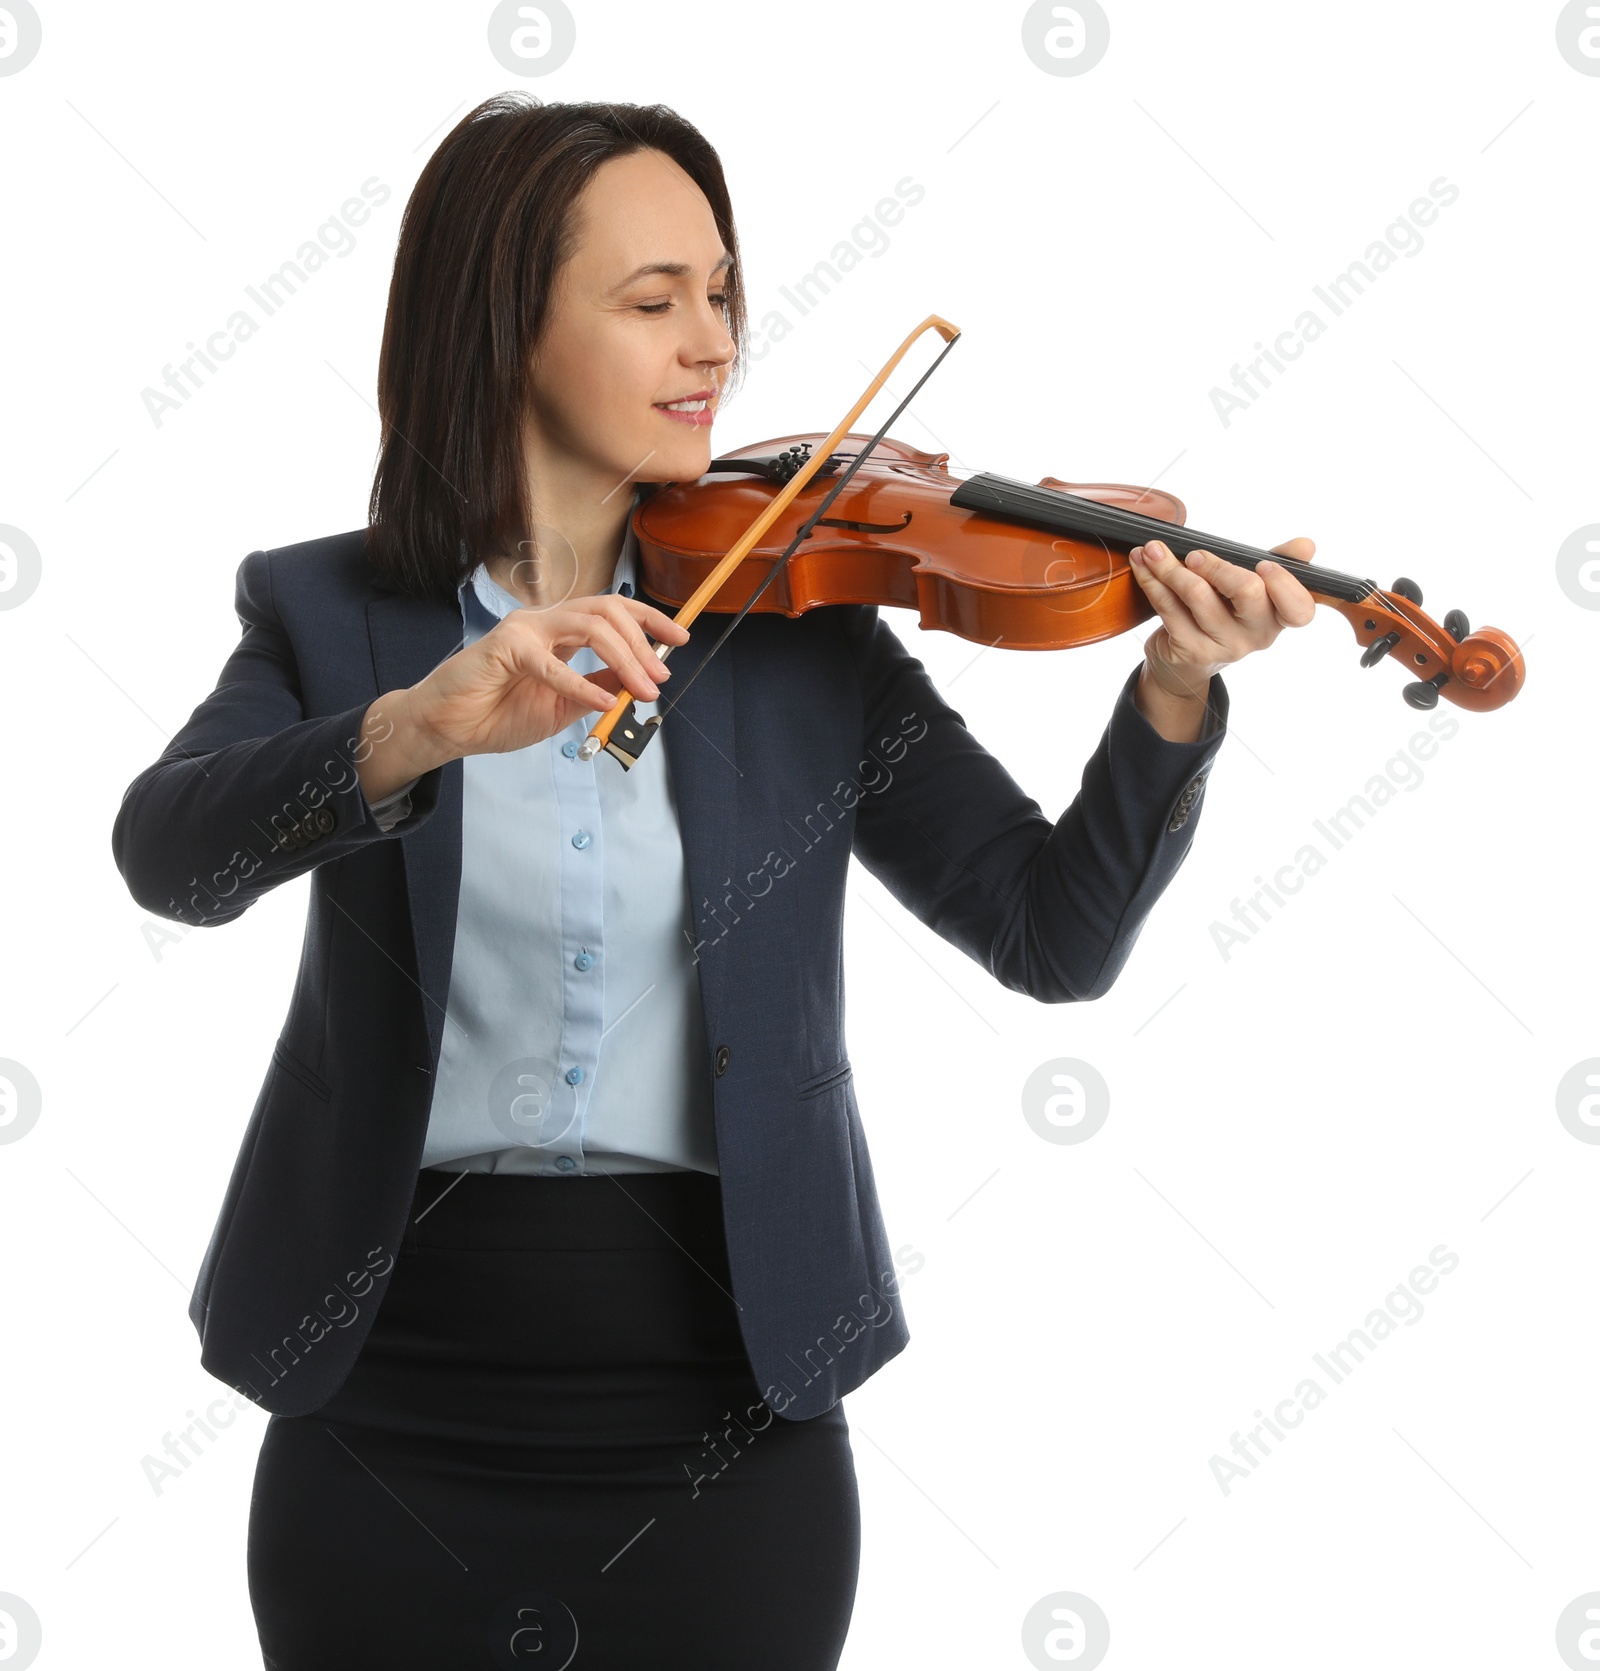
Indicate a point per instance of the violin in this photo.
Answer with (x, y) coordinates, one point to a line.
(1001, 562)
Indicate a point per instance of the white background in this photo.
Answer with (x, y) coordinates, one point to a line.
(1300, 1123)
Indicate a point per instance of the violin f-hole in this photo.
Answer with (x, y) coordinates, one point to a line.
(864, 527)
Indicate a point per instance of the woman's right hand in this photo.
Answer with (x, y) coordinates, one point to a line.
(513, 687)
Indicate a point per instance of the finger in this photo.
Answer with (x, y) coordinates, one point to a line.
(1245, 590)
(600, 624)
(662, 628)
(614, 650)
(574, 709)
(1165, 601)
(527, 652)
(1300, 548)
(1183, 632)
(575, 687)
(623, 618)
(606, 680)
(627, 623)
(1294, 604)
(1203, 610)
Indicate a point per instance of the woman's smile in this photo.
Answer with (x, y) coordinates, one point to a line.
(695, 409)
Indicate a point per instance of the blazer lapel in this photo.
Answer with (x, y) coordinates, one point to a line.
(410, 637)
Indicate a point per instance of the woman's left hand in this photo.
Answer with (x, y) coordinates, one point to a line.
(1214, 612)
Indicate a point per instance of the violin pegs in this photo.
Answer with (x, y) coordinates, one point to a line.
(1424, 693)
(1457, 625)
(1378, 649)
(1409, 590)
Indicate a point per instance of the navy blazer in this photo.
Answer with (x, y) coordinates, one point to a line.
(802, 741)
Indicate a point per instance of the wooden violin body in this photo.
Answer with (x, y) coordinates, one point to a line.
(892, 538)
(1000, 562)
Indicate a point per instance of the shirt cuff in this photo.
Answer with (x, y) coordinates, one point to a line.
(394, 808)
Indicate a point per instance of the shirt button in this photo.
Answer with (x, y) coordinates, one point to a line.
(722, 1060)
(582, 839)
(574, 1076)
(570, 750)
(583, 961)
(565, 1164)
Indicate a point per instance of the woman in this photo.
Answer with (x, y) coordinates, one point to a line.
(553, 1243)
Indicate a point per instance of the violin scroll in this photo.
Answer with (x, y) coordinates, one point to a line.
(1478, 671)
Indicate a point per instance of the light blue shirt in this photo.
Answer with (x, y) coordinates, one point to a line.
(574, 1040)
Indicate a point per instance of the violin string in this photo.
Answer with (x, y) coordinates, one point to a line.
(806, 527)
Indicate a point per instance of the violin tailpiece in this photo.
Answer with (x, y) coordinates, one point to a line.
(779, 467)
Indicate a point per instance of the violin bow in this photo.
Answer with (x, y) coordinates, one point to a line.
(618, 731)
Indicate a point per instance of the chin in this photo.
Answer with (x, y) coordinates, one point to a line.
(685, 462)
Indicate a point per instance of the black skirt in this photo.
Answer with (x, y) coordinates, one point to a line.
(551, 1451)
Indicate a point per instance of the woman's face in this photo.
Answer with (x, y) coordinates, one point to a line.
(635, 323)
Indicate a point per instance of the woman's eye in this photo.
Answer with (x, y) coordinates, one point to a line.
(661, 307)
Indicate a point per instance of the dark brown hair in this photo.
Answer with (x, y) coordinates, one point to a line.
(488, 226)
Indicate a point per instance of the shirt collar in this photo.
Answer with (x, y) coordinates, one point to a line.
(499, 603)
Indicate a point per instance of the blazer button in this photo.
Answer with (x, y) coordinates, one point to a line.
(325, 820)
(722, 1060)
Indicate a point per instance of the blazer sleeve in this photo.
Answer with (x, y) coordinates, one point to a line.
(250, 792)
(1049, 909)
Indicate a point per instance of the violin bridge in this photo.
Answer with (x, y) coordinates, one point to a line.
(630, 735)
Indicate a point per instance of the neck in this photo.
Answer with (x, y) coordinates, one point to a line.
(580, 517)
